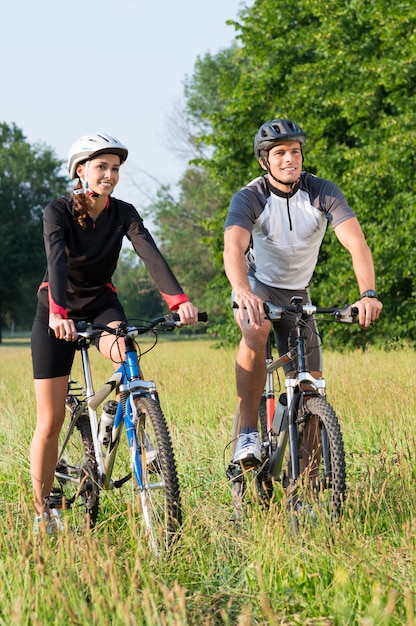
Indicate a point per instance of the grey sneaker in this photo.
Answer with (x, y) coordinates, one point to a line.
(247, 451)
(51, 522)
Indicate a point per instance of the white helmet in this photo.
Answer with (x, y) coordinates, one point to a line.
(90, 146)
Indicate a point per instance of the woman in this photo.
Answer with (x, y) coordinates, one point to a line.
(83, 236)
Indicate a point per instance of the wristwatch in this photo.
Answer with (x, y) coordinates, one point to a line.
(370, 293)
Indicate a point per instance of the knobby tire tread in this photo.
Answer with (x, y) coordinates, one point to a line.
(326, 415)
(151, 410)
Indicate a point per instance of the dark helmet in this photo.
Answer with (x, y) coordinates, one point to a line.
(275, 132)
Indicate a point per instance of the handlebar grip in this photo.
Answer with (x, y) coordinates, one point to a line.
(80, 327)
(202, 317)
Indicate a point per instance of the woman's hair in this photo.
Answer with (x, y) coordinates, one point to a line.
(80, 205)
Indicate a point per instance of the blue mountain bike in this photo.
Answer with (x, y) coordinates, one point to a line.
(89, 446)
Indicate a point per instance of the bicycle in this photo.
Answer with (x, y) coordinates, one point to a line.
(313, 474)
(88, 446)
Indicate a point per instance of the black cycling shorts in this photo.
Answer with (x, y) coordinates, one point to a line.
(53, 357)
(283, 329)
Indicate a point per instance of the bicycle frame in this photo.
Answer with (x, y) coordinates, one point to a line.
(87, 456)
(286, 429)
(282, 431)
(127, 378)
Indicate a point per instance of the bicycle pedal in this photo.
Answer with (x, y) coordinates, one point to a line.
(234, 473)
(54, 499)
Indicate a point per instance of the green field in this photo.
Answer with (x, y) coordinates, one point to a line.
(361, 571)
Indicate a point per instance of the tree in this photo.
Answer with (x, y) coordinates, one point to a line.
(29, 179)
(346, 72)
(183, 237)
(137, 290)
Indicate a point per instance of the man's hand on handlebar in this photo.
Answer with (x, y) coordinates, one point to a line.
(251, 307)
(369, 310)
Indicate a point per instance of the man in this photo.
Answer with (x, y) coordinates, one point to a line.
(281, 219)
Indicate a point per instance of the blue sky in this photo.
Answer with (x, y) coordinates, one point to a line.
(70, 68)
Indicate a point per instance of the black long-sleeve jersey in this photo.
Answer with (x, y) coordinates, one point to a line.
(82, 261)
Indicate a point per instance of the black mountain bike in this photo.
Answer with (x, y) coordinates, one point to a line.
(302, 445)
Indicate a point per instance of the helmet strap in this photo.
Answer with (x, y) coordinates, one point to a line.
(267, 164)
(265, 159)
(85, 187)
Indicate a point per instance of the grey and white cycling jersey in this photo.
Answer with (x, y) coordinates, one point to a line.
(287, 229)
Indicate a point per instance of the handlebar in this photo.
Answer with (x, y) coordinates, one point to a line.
(92, 331)
(202, 317)
(346, 315)
(168, 322)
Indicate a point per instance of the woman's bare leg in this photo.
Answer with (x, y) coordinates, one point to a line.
(50, 401)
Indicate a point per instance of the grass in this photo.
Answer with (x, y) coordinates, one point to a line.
(359, 571)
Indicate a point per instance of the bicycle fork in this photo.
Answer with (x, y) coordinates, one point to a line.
(286, 428)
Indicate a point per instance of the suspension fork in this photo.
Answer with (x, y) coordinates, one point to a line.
(293, 398)
(269, 390)
(318, 385)
(133, 388)
(136, 454)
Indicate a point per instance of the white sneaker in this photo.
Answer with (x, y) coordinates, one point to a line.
(50, 521)
(247, 450)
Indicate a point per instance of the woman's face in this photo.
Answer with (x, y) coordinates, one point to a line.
(102, 173)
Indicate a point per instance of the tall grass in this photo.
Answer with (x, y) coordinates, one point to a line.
(359, 571)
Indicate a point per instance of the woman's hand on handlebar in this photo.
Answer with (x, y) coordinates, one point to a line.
(63, 329)
(188, 314)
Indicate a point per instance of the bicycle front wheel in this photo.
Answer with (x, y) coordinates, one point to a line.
(159, 494)
(320, 459)
(75, 490)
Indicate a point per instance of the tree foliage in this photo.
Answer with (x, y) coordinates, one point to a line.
(137, 290)
(183, 237)
(346, 72)
(29, 178)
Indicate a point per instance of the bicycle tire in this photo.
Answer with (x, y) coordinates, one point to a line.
(75, 490)
(160, 495)
(324, 472)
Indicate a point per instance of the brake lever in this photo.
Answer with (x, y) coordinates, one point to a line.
(348, 315)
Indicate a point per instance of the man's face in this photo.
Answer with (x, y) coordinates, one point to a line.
(285, 161)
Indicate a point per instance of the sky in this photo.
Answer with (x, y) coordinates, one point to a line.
(86, 66)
